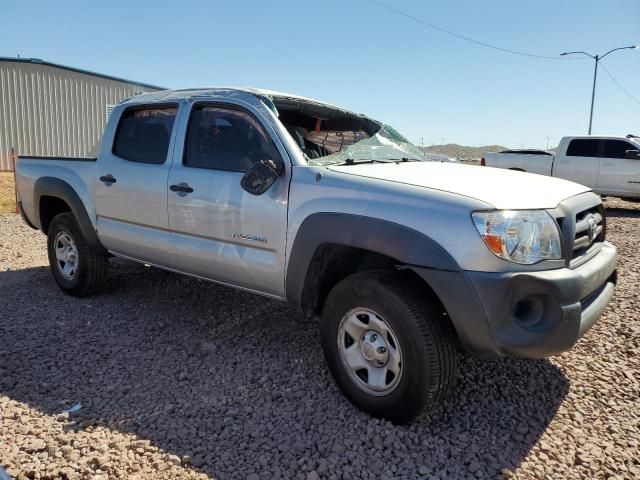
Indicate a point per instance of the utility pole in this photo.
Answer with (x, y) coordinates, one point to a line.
(597, 58)
(547, 142)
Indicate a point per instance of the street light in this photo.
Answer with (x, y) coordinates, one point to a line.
(597, 58)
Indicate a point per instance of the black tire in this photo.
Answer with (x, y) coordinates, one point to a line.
(424, 333)
(91, 265)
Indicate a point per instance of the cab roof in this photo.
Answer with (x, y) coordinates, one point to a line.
(232, 92)
(203, 92)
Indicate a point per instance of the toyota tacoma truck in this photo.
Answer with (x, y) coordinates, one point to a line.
(405, 262)
(607, 165)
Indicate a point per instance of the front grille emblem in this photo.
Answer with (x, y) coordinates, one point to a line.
(593, 229)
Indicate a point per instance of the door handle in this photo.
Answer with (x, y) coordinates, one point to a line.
(181, 188)
(108, 179)
(609, 164)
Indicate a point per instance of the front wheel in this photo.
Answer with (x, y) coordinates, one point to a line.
(389, 345)
(78, 269)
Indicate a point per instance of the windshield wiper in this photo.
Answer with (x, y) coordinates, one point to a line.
(351, 161)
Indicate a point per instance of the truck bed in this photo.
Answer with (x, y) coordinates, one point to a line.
(526, 161)
(70, 159)
(78, 172)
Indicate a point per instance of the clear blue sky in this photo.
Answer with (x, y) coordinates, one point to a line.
(356, 54)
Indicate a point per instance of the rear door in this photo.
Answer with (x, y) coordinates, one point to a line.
(220, 231)
(580, 163)
(619, 175)
(131, 183)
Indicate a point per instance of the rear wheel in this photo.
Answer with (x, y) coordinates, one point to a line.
(389, 345)
(78, 269)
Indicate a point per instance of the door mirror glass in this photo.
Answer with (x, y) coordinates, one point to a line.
(259, 177)
(632, 154)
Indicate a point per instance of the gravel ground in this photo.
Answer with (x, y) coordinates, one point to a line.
(7, 193)
(179, 378)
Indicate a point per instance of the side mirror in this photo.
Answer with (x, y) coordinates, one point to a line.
(259, 178)
(632, 154)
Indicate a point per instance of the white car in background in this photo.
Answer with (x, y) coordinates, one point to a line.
(608, 165)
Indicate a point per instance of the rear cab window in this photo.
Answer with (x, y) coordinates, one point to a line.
(143, 134)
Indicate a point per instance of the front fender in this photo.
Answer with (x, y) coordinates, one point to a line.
(396, 241)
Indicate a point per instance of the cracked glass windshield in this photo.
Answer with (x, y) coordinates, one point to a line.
(329, 135)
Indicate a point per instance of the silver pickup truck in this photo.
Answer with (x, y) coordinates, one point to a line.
(405, 261)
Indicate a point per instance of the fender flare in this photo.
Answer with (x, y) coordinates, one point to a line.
(54, 187)
(407, 246)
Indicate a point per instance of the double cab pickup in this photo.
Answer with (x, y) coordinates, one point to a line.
(404, 261)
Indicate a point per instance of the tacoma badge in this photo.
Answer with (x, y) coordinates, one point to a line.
(253, 238)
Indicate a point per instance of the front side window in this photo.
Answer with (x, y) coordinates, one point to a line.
(143, 134)
(617, 148)
(226, 139)
(583, 147)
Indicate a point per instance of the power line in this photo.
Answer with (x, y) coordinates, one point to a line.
(619, 85)
(463, 37)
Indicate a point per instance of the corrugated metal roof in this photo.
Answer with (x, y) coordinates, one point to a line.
(79, 70)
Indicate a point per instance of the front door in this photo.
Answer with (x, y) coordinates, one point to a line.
(220, 231)
(131, 184)
(619, 175)
(581, 162)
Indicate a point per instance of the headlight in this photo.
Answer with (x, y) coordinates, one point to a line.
(521, 236)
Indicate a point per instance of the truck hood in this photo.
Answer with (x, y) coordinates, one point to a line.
(503, 189)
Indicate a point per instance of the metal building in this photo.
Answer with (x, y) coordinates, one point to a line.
(53, 110)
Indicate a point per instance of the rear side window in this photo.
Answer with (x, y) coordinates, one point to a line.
(617, 148)
(583, 147)
(222, 138)
(143, 134)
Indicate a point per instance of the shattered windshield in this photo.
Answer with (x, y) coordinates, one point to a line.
(385, 145)
(329, 135)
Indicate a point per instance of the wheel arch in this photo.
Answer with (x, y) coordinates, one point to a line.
(330, 246)
(52, 196)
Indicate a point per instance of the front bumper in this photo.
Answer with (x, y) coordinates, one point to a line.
(526, 314)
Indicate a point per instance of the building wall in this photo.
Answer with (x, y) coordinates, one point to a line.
(51, 111)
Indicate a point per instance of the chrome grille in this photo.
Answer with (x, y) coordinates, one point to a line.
(583, 225)
(590, 228)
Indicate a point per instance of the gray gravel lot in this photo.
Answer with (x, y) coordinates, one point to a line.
(179, 378)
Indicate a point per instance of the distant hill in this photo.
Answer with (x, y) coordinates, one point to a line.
(463, 152)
